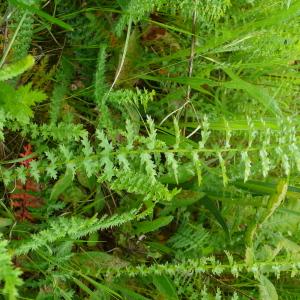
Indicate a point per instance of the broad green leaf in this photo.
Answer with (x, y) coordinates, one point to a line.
(185, 172)
(62, 184)
(84, 180)
(73, 194)
(148, 226)
(210, 205)
(4, 222)
(274, 202)
(267, 290)
(266, 188)
(276, 199)
(165, 287)
(159, 247)
(183, 199)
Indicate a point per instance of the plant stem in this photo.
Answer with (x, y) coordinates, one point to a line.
(191, 65)
(122, 59)
(12, 40)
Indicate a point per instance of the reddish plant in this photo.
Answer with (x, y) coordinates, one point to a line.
(28, 151)
(22, 199)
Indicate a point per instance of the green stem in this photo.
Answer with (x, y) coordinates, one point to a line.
(122, 59)
(7, 49)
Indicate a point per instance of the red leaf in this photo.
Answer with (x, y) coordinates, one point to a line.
(28, 151)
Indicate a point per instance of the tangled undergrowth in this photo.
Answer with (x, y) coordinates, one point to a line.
(149, 149)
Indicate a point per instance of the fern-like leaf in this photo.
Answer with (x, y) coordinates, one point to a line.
(8, 274)
(13, 70)
(73, 228)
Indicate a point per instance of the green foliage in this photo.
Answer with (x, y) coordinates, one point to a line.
(165, 164)
(31, 7)
(73, 228)
(100, 86)
(22, 41)
(17, 103)
(62, 184)
(188, 238)
(9, 274)
(60, 90)
(17, 68)
(267, 289)
(148, 226)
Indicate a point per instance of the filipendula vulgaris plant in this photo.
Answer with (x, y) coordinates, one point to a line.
(205, 153)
